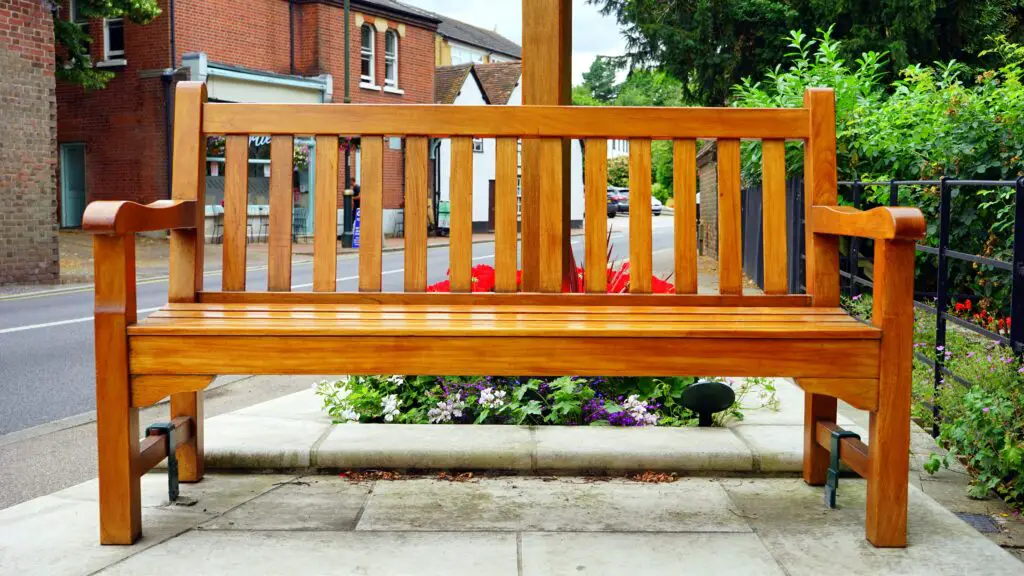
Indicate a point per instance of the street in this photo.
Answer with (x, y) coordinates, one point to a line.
(46, 339)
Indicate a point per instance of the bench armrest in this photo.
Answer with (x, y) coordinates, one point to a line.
(881, 223)
(120, 217)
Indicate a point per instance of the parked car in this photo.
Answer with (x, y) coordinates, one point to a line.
(613, 205)
(621, 196)
(656, 206)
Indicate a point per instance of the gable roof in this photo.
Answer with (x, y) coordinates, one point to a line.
(469, 34)
(448, 81)
(499, 80)
(399, 8)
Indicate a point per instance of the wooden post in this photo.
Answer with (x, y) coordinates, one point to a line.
(187, 245)
(889, 428)
(547, 76)
(117, 421)
(822, 257)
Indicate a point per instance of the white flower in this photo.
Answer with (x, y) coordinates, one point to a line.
(390, 405)
(638, 410)
(396, 380)
(349, 415)
(445, 410)
(491, 398)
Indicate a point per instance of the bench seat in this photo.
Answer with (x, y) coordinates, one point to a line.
(210, 338)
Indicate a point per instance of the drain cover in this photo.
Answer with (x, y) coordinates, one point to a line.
(981, 522)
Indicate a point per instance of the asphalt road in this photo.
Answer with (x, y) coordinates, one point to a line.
(46, 339)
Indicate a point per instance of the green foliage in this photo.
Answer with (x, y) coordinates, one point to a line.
(618, 171)
(600, 79)
(982, 426)
(927, 124)
(73, 62)
(711, 45)
(642, 401)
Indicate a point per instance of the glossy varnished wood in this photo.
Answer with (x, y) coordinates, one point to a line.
(505, 215)
(640, 238)
(730, 242)
(854, 453)
(619, 122)
(773, 209)
(880, 223)
(188, 184)
(595, 214)
(188, 406)
(860, 393)
(236, 219)
(467, 355)
(550, 174)
(325, 215)
(117, 421)
(460, 260)
(125, 217)
(371, 214)
(279, 243)
(684, 169)
(416, 165)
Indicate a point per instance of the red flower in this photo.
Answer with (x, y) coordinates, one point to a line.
(442, 286)
(968, 305)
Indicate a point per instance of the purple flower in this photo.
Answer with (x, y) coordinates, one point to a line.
(985, 409)
(940, 348)
(857, 297)
(970, 354)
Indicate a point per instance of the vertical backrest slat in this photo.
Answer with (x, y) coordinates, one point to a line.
(236, 205)
(730, 248)
(773, 208)
(820, 188)
(461, 215)
(551, 205)
(684, 183)
(416, 162)
(640, 255)
(325, 216)
(279, 270)
(189, 183)
(505, 212)
(371, 208)
(595, 225)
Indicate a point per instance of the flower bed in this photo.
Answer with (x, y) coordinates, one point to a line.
(567, 400)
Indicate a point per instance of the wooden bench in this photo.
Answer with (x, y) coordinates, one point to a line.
(268, 329)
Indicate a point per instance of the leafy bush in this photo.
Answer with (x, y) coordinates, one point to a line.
(935, 120)
(618, 171)
(981, 425)
(503, 400)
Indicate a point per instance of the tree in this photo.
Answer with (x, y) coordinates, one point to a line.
(73, 63)
(713, 44)
(618, 171)
(600, 79)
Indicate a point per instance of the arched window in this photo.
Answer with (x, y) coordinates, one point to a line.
(391, 59)
(367, 55)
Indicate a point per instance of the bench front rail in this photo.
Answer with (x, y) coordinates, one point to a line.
(527, 328)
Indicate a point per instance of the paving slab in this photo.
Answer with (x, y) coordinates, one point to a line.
(551, 504)
(217, 553)
(806, 538)
(304, 405)
(776, 448)
(598, 554)
(309, 503)
(426, 446)
(607, 449)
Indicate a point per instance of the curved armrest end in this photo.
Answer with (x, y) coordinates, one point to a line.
(124, 217)
(882, 223)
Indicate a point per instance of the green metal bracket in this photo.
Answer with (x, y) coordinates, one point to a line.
(166, 429)
(832, 480)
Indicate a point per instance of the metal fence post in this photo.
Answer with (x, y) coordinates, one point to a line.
(1017, 282)
(853, 262)
(941, 299)
(894, 193)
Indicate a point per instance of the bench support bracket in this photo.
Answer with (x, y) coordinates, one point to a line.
(832, 480)
(166, 431)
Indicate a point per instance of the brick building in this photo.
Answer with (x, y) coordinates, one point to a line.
(707, 184)
(114, 142)
(28, 227)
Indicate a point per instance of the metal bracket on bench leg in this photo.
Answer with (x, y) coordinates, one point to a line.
(832, 480)
(166, 429)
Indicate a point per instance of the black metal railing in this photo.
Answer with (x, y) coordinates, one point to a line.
(943, 252)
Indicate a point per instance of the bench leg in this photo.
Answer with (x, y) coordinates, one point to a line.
(817, 407)
(190, 454)
(889, 442)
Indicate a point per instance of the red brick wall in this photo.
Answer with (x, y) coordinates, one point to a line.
(122, 125)
(28, 223)
(253, 33)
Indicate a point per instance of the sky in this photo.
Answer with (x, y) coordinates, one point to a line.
(592, 34)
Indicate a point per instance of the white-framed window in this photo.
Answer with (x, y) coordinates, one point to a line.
(478, 145)
(391, 59)
(367, 54)
(113, 38)
(76, 16)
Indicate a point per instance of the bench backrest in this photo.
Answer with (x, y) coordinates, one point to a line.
(545, 130)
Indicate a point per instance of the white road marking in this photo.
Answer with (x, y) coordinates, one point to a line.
(61, 322)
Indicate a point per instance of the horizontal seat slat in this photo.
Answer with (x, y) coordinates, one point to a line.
(508, 309)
